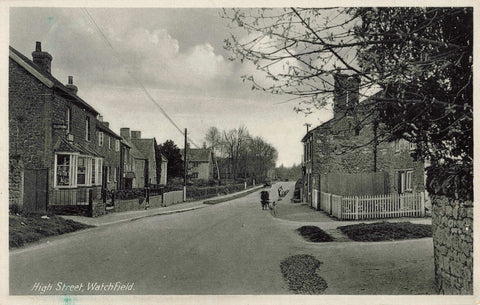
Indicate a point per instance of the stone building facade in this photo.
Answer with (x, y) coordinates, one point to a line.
(109, 146)
(200, 163)
(53, 144)
(350, 143)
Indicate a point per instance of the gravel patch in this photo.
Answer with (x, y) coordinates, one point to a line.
(384, 231)
(300, 272)
(314, 234)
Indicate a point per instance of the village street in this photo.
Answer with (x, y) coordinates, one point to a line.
(229, 248)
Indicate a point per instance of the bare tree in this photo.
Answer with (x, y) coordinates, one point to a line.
(419, 59)
(214, 142)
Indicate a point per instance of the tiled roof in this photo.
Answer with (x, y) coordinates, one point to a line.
(198, 154)
(146, 146)
(63, 145)
(134, 152)
(56, 83)
(103, 127)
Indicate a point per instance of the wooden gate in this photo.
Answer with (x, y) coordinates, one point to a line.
(35, 190)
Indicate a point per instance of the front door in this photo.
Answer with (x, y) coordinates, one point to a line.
(35, 190)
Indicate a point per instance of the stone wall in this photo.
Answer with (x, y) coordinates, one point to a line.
(15, 182)
(79, 210)
(137, 204)
(98, 209)
(452, 226)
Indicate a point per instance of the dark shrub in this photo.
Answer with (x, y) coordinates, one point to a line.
(15, 209)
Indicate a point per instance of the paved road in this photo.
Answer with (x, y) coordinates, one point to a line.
(229, 248)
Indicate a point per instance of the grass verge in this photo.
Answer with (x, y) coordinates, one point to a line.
(314, 234)
(24, 229)
(228, 198)
(300, 273)
(382, 231)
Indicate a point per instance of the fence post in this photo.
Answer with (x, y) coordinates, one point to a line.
(422, 204)
(320, 201)
(330, 200)
(90, 202)
(340, 209)
(356, 207)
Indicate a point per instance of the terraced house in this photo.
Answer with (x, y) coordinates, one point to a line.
(60, 152)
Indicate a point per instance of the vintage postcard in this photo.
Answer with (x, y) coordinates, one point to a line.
(218, 152)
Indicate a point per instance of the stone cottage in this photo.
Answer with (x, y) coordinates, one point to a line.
(54, 146)
(352, 142)
(200, 163)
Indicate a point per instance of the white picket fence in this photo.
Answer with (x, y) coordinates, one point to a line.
(373, 207)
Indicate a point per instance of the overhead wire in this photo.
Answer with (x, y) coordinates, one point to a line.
(138, 82)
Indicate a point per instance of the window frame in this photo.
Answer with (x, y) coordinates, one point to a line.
(87, 128)
(100, 138)
(68, 120)
(73, 170)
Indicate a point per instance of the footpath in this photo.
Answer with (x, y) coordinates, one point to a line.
(119, 217)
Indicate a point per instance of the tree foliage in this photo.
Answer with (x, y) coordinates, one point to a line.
(175, 163)
(418, 61)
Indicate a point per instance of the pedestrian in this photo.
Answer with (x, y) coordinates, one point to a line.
(273, 208)
(264, 197)
(280, 191)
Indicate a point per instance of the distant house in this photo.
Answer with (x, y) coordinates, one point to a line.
(199, 163)
(109, 145)
(140, 167)
(343, 146)
(54, 152)
(147, 148)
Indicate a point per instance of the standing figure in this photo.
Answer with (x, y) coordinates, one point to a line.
(273, 208)
(264, 197)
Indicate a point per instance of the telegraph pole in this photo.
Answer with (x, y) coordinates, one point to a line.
(185, 168)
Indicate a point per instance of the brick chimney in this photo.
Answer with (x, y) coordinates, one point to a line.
(100, 118)
(136, 134)
(345, 95)
(125, 133)
(70, 86)
(42, 59)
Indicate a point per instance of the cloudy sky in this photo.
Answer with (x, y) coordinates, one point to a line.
(177, 55)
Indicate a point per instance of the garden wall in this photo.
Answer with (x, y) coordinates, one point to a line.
(452, 226)
(137, 203)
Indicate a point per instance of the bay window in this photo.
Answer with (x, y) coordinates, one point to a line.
(72, 170)
(81, 170)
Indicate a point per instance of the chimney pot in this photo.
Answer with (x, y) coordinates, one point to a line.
(136, 134)
(42, 59)
(70, 86)
(125, 133)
